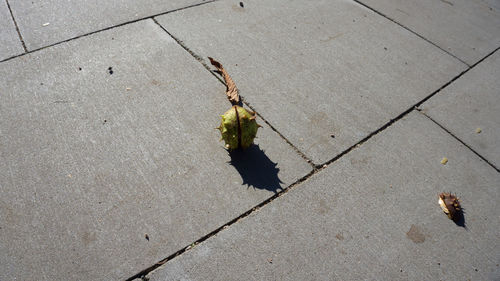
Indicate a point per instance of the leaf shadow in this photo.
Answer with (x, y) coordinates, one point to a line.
(256, 169)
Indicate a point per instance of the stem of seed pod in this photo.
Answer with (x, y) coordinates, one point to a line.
(239, 126)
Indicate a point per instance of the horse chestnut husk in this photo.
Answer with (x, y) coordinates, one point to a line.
(238, 128)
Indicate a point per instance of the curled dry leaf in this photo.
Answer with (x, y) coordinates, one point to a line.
(238, 127)
(231, 91)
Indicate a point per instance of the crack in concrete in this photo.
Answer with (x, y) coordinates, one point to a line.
(143, 274)
(407, 28)
(17, 27)
(317, 168)
(414, 107)
(458, 139)
(103, 29)
(202, 61)
(193, 54)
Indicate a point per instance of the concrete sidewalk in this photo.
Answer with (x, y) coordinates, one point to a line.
(111, 169)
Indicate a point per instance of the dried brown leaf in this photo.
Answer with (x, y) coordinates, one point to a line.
(231, 90)
(450, 204)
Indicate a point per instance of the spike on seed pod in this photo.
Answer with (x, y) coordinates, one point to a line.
(238, 127)
(450, 205)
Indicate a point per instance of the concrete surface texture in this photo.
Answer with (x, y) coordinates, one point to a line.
(10, 45)
(470, 110)
(371, 216)
(332, 68)
(111, 167)
(89, 168)
(468, 29)
(43, 23)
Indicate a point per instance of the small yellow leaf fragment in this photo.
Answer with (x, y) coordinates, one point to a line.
(444, 160)
(478, 130)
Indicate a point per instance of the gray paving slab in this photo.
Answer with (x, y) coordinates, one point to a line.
(318, 68)
(469, 29)
(44, 23)
(371, 215)
(470, 108)
(10, 44)
(110, 137)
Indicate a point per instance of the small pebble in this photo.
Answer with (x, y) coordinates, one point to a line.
(444, 161)
(478, 130)
(45, 24)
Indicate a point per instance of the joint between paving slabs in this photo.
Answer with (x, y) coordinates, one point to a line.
(414, 107)
(318, 168)
(202, 61)
(143, 274)
(100, 30)
(297, 150)
(458, 139)
(193, 54)
(17, 27)
(408, 29)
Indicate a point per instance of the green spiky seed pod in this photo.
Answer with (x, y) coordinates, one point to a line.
(238, 128)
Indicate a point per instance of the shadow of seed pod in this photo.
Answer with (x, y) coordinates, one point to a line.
(256, 169)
